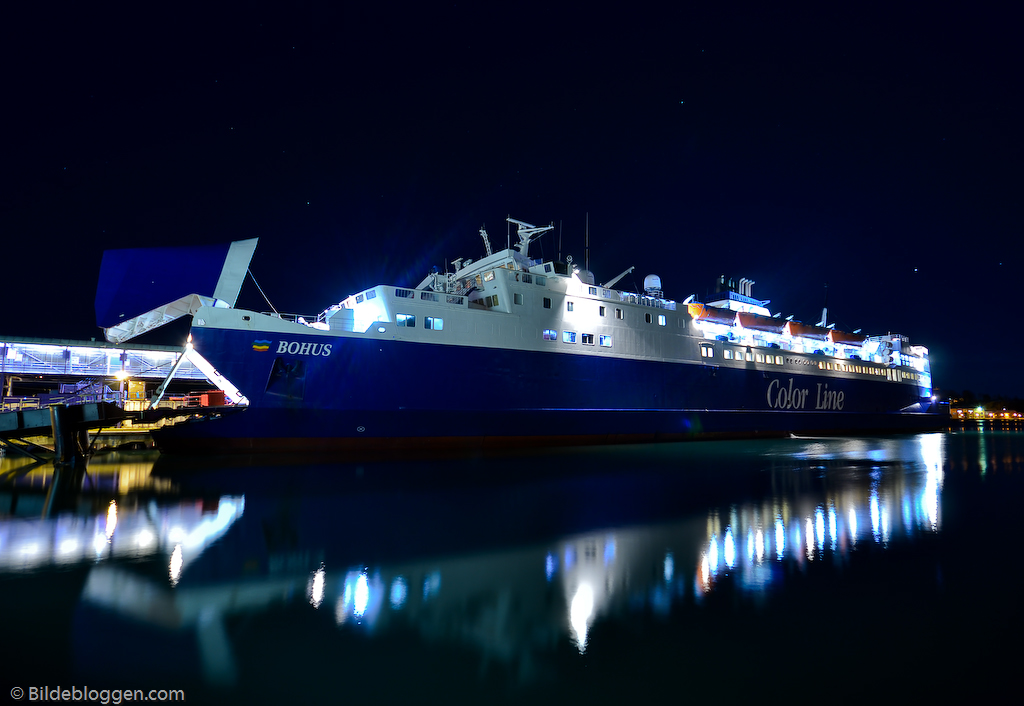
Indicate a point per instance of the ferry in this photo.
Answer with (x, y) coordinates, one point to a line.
(507, 351)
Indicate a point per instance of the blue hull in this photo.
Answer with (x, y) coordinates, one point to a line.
(352, 393)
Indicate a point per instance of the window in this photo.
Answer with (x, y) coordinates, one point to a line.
(433, 322)
(547, 302)
(588, 339)
(404, 293)
(707, 351)
(429, 297)
(372, 294)
(727, 354)
(488, 276)
(661, 320)
(592, 291)
(568, 306)
(759, 357)
(550, 334)
(600, 311)
(547, 268)
(359, 299)
(605, 341)
(750, 357)
(542, 280)
(618, 313)
(527, 277)
(647, 316)
(517, 298)
(405, 320)
(569, 336)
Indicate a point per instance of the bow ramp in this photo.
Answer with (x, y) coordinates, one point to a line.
(142, 289)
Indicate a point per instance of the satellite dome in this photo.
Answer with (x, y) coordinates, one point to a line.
(652, 285)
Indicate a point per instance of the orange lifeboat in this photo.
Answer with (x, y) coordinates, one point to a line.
(795, 328)
(849, 339)
(711, 314)
(758, 322)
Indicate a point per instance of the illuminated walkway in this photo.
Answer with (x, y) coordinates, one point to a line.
(91, 359)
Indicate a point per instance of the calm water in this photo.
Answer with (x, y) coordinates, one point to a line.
(815, 569)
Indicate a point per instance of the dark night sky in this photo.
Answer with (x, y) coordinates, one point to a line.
(877, 150)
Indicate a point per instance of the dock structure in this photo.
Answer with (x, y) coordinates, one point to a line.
(64, 360)
(84, 388)
(67, 425)
(75, 374)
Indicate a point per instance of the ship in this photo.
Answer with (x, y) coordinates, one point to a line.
(508, 351)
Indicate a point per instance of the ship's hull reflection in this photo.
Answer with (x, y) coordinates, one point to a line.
(510, 575)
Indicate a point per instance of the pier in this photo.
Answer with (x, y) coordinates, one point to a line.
(67, 369)
(60, 400)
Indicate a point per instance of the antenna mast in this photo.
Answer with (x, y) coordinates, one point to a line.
(527, 233)
(487, 241)
(824, 309)
(587, 249)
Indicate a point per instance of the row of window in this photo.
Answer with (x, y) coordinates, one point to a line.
(603, 311)
(437, 324)
(890, 373)
(526, 277)
(707, 351)
(729, 354)
(409, 321)
(586, 339)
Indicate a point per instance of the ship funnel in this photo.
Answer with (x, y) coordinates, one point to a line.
(652, 285)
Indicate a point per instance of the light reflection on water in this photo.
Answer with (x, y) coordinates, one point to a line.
(471, 564)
